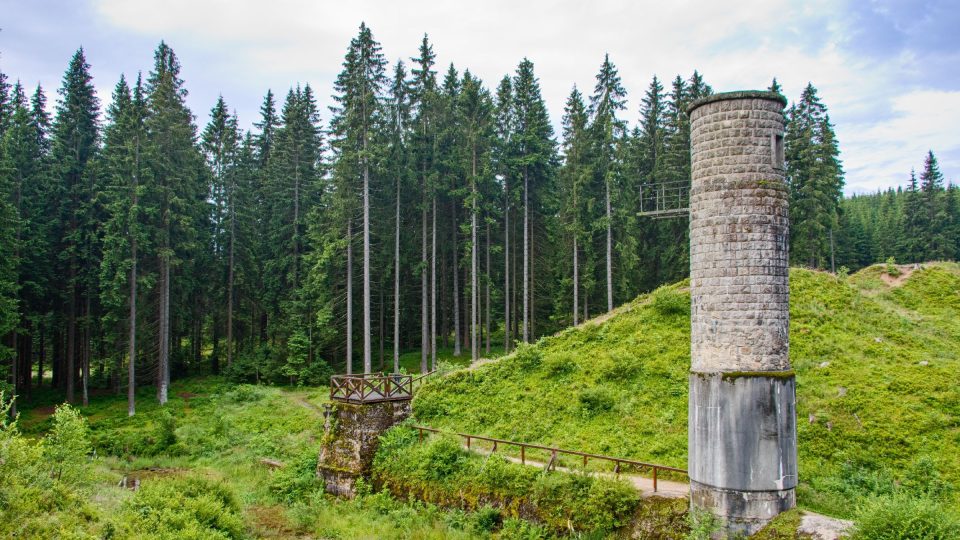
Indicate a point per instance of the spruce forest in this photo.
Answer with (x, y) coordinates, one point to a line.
(426, 211)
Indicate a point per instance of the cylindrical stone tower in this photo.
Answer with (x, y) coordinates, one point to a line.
(742, 415)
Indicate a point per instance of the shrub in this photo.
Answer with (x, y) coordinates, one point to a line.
(67, 447)
(443, 456)
(923, 479)
(187, 507)
(559, 364)
(244, 393)
(527, 356)
(892, 270)
(901, 517)
(670, 302)
(486, 519)
(518, 529)
(166, 431)
(596, 400)
(297, 477)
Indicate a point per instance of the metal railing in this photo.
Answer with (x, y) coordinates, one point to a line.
(665, 199)
(371, 388)
(555, 452)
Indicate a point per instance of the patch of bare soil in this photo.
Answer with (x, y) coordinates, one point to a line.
(905, 271)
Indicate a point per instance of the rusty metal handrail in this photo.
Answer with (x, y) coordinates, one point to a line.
(554, 451)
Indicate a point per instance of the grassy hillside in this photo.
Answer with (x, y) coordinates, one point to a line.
(877, 358)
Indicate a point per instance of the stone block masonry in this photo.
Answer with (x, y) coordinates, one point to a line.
(350, 441)
(742, 413)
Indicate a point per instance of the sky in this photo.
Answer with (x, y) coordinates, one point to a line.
(886, 69)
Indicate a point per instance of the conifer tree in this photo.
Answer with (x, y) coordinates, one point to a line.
(534, 159)
(18, 163)
(938, 244)
(503, 161)
(176, 184)
(815, 177)
(607, 129)
(399, 164)
(75, 141)
(476, 110)
(124, 238)
(220, 142)
(574, 178)
(359, 110)
(422, 102)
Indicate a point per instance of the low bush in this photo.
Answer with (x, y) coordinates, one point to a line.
(187, 507)
(902, 517)
(44, 485)
(671, 302)
(441, 472)
(297, 477)
(597, 400)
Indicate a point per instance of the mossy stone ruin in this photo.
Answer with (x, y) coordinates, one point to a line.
(742, 409)
(350, 439)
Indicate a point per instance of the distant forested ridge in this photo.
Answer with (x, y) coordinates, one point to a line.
(914, 224)
(426, 209)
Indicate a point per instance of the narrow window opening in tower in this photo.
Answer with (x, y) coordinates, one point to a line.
(778, 159)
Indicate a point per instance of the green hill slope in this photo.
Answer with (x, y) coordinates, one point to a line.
(878, 381)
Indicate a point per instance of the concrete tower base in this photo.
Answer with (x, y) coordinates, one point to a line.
(742, 431)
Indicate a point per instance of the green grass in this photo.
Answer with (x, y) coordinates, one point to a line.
(878, 383)
(213, 438)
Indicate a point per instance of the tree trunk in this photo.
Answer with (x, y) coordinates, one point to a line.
(132, 325)
(163, 364)
(526, 257)
(576, 281)
(71, 370)
(487, 283)
(456, 286)
(506, 265)
(380, 326)
(132, 336)
(349, 344)
(433, 290)
(474, 278)
(515, 290)
(609, 250)
(396, 287)
(14, 372)
(42, 356)
(533, 282)
(230, 290)
(86, 351)
(424, 296)
(367, 330)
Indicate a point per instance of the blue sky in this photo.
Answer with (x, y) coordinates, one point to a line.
(887, 70)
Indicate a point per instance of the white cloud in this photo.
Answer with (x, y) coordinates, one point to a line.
(257, 45)
(881, 154)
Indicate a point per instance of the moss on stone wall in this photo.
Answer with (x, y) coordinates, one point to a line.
(438, 470)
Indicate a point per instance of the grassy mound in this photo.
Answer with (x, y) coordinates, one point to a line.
(878, 382)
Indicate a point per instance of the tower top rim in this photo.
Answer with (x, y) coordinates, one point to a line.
(738, 94)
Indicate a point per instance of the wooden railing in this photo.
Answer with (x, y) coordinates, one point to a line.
(371, 388)
(555, 452)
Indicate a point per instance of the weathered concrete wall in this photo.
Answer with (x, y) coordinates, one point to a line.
(742, 417)
(350, 441)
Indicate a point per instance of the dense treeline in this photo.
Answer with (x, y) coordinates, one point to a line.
(432, 211)
(912, 225)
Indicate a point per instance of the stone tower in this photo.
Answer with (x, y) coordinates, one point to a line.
(742, 414)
